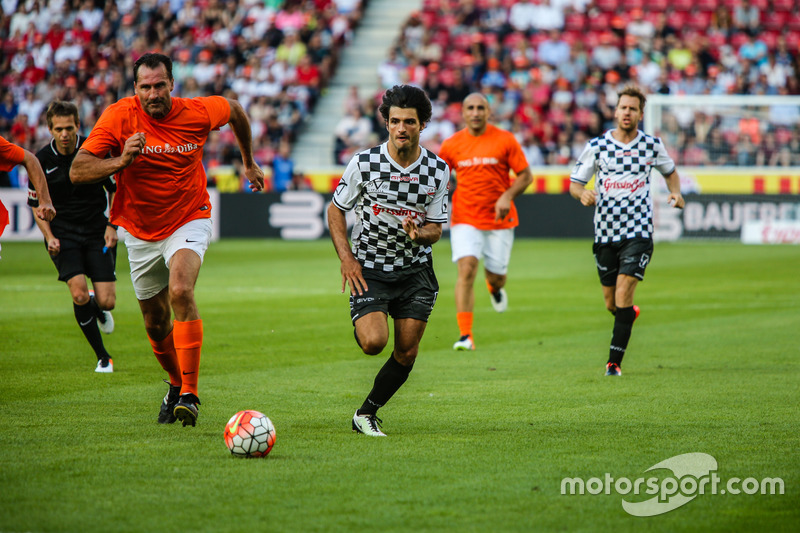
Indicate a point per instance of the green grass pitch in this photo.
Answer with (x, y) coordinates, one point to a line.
(477, 441)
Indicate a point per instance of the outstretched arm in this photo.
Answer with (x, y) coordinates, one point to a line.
(45, 211)
(240, 125)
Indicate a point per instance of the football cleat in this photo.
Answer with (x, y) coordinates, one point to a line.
(368, 425)
(464, 343)
(613, 369)
(186, 409)
(105, 322)
(166, 415)
(636, 311)
(499, 300)
(105, 366)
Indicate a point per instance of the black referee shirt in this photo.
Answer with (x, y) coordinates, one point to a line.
(79, 208)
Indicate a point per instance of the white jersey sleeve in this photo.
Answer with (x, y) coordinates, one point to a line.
(350, 186)
(664, 163)
(586, 166)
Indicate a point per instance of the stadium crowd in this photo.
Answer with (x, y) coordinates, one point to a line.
(552, 69)
(275, 56)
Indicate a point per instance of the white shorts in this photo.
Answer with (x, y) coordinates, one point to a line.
(150, 259)
(493, 246)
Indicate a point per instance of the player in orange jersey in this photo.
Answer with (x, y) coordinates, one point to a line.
(12, 155)
(484, 216)
(155, 144)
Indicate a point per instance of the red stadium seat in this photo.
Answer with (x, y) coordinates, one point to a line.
(609, 6)
(600, 22)
(513, 39)
(793, 40)
(698, 20)
(706, 5)
(682, 5)
(677, 19)
(462, 41)
(572, 37)
(737, 40)
(537, 38)
(760, 4)
(575, 22)
(770, 38)
(793, 23)
(783, 6)
(773, 20)
(656, 6)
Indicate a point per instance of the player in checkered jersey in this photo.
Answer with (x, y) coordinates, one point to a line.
(398, 191)
(621, 161)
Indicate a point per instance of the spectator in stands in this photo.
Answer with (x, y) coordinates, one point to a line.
(282, 167)
(754, 49)
(746, 16)
(353, 132)
(553, 50)
(522, 15)
(640, 27)
(606, 55)
(547, 16)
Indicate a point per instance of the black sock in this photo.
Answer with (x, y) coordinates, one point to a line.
(87, 320)
(390, 378)
(623, 324)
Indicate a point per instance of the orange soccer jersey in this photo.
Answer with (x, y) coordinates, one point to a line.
(11, 155)
(482, 167)
(165, 187)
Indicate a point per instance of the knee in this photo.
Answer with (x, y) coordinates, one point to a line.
(80, 298)
(372, 345)
(181, 295)
(406, 358)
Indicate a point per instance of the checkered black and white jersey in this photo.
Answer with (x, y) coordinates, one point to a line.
(382, 194)
(622, 181)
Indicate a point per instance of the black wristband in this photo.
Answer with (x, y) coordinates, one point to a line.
(110, 225)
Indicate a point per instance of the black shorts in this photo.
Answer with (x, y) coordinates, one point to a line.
(82, 254)
(629, 257)
(407, 294)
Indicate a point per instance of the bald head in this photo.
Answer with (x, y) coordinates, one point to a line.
(475, 111)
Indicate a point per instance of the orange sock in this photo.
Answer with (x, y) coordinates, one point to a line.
(188, 341)
(464, 323)
(164, 350)
(489, 286)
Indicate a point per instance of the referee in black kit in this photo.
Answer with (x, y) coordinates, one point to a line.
(80, 240)
(621, 161)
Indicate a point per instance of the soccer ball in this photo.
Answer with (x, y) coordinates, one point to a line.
(249, 434)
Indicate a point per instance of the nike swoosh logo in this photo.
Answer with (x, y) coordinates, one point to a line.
(187, 240)
(86, 323)
(51, 170)
(235, 427)
(187, 373)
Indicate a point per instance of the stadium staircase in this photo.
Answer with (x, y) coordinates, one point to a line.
(358, 65)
